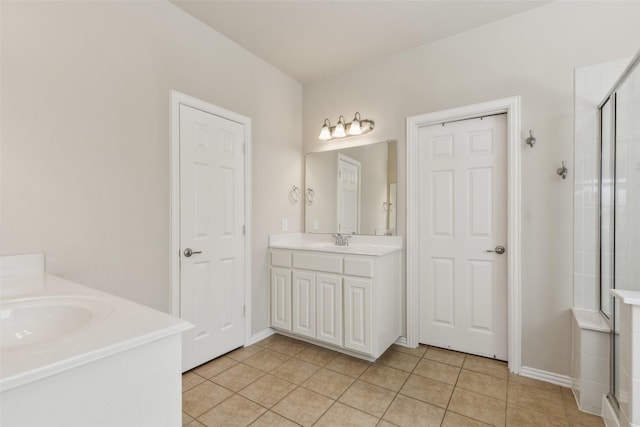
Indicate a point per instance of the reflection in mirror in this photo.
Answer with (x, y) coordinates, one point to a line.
(352, 190)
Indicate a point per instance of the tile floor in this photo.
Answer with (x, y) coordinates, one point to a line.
(284, 382)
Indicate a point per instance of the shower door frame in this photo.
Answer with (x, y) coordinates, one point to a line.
(611, 97)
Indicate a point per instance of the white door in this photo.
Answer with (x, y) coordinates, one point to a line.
(304, 303)
(329, 308)
(211, 226)
(463, 215)
(348, 195)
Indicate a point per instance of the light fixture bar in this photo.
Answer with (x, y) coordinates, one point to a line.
(341, 130)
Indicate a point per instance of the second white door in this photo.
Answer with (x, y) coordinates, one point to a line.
(463, 213)
(348, 195)
(211, 235)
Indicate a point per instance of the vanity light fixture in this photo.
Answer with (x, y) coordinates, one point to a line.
(342, 130)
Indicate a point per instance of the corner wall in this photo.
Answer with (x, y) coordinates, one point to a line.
(532, 55)
(86, 138)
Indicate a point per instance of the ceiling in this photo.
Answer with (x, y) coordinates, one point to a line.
(312, 40)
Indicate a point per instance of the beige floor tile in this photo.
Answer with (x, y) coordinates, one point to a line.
(267, 342)
(271, 419)
(545, 401)
(445, 356)
(289, 346)
(385, 376)
(518, 416)
(317, 355)
(579, 418)
(487, 366)
(418, 351)
(195, 423)
(367, 397)
(398, 360)
(214, 367)
(519, 379)
(451, 419)
(346, 416)
(329, 383)
(482, 408)
(233, 412)
(405, 411)
(190, 380)
(295, 370)
(245, 352)
(203, 397)
(384, 423)
(186, 418)
(437, 371)
(348, 365)
(303, 406)
(484, 384)
(237, 377)
(430, 391)
(266, 360)
(268, 390)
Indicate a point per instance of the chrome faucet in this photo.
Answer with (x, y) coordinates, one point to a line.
(342, 239)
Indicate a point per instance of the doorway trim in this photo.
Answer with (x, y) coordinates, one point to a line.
(177, 99)
(511, 106)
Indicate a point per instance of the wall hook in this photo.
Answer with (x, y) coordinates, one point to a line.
(531, 140)
(563, 171)
(294, 194)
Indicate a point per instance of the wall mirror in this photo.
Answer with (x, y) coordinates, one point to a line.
(352, 190)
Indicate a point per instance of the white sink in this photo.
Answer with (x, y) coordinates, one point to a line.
(32, 321)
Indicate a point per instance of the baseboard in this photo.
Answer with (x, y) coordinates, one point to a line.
(265, 333)
(402, 341)
(550, 377)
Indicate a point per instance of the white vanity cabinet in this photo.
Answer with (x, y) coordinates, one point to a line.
(349, 302)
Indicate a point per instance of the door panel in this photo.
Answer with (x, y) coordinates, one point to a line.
(357, 315)
(211, 221)
(281, 298)
(304, 303)
(463, 289)
(329, 315)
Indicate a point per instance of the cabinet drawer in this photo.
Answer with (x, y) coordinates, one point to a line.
(327, 263)
(281, 259)
(358, 267)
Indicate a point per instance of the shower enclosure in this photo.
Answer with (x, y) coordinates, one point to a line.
(619, 205)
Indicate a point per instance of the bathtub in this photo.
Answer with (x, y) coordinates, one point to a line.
(74, 356)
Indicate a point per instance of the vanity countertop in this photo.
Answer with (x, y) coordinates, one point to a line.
(359, 245)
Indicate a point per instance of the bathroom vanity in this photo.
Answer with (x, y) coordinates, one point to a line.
(347, 298)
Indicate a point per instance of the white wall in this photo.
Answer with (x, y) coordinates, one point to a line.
(85, 138)
(532, 55)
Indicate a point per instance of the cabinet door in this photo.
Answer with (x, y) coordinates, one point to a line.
(357, 315)
(329, 306)
(281, 298)
(304, 303)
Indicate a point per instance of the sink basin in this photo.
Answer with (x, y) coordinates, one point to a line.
(32, 321)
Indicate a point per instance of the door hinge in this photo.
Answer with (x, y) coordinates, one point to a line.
(244, 148)
(244, 311)
(244, 230)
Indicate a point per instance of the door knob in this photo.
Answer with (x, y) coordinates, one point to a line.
(188, 252)
(499, 250)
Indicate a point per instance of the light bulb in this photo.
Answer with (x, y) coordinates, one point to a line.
(355, 128)
(339, 131)
(325, 133)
